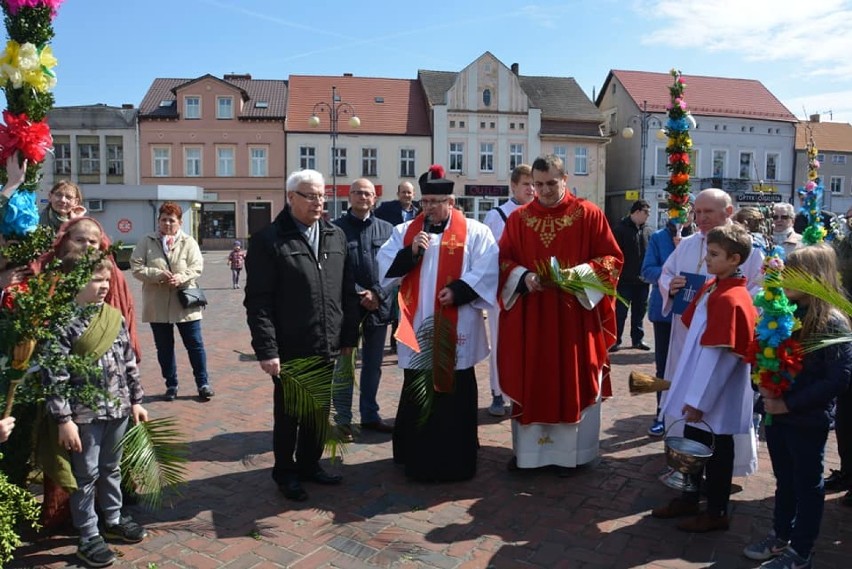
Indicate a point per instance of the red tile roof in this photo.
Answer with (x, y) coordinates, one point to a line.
(830, 136)
(385, 106)
(706, 96)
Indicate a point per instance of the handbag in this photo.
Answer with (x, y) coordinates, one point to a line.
(189, 297)
(192, 297)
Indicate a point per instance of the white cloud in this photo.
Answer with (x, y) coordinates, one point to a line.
(814, 35)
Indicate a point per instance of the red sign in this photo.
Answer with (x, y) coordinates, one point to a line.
(124, 225)
(343, 191)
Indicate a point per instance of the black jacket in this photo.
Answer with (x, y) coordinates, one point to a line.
(392, 212)
(633, 242)
(298, 305)
(825, 375)
(364, 239)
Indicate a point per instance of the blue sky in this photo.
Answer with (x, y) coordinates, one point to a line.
(110, 51)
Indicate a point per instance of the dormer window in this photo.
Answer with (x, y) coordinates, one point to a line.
(166, 103)
(261, 104)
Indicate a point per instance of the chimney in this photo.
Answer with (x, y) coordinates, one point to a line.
(236, 76)
(814, 118)
(515, 68)
(127, 105)
(347, 75)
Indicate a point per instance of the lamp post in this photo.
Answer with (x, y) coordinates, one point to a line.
(334, 109)
(644, 120)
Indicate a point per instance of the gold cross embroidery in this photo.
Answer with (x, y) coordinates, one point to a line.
(452, 245)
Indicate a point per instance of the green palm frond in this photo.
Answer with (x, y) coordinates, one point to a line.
(155, 453)
(802, 281)
(308, 385)
(574, 281)
(437, 351)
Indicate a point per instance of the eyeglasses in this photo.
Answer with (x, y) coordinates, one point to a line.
(315, 198)
(429, 203)
(780, 217)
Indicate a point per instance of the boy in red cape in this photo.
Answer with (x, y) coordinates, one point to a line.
(711, 388)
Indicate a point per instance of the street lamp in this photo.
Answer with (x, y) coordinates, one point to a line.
(334, 110)
(644, 120)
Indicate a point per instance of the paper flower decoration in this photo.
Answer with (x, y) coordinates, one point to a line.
(677, 129)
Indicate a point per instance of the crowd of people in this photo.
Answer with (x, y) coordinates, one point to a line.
(534, 288)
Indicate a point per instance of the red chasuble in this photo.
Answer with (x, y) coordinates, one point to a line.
(732, 324)
(552, 350)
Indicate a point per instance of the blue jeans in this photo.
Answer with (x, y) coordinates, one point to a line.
(96, 471)
(372, 353)
(797, 454)
(164, 341)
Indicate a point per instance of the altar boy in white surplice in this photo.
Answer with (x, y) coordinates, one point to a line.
(711, 387)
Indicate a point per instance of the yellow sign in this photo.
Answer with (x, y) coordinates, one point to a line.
(631, 195)
(764, 189)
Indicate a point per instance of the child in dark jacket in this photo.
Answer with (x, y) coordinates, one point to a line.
(797, 436)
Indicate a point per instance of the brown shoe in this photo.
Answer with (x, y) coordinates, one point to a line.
(704, 522)
(677, 508)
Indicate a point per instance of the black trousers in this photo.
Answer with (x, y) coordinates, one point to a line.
(843, 429)
(718, 471)
(637, 295)
(296, 445)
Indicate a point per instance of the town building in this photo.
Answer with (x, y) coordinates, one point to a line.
(376, 128)
(742, 143)
(488, 118)
(833, 142)
(225, 135)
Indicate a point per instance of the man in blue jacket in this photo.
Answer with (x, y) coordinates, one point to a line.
(365, 235)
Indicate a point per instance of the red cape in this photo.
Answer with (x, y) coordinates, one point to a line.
(733, 315)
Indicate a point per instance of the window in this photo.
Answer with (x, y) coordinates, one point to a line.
(486, 157)
(62, 156)
(746, 160)
(486, 97)
(562, 153)
(836, 184)
(456, 157)
(115, 156)
(225, 161)
(369, 161)
(340, 162)
(482, 124)
(307, 158)
(660, 167)
(452, 124)
(461, 124)
(720, 158)
(89, 149)
(521, 126)
(516, 155)
(838, 159)
(581, 160)
(821, 158)
(224, 108)
(511, 126)
(406, 163)
(192, 108)
(772, 166)
(694, 161)
(192, 162)
(492, 125)
(162, 161)
(258, 163)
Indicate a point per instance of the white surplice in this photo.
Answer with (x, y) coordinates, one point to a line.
(479, 272)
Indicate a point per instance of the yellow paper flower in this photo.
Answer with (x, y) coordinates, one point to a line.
(772, 325)
(769, 352)
(768, 295)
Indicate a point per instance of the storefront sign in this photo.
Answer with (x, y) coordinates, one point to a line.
(752, 197)
(486, 191)
(343, 191)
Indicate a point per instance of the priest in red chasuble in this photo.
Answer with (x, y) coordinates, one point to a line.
(552, 352)
(446, 269)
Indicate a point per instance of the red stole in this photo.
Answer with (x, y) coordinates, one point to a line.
(450, 261)
(732, 324)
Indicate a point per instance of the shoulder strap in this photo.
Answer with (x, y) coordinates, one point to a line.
(502, 214)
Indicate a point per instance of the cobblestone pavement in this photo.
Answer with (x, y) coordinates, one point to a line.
(230, 513)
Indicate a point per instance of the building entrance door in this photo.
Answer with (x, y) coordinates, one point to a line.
(259, 216)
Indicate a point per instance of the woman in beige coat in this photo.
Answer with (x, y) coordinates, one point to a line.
(166, 261)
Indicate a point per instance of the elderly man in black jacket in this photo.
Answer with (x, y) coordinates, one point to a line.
(300, 302)
(632, 235)
(365, 234)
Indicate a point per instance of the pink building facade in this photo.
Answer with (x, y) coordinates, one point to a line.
(225, 135)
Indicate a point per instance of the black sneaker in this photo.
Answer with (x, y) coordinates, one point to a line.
(125, 530)
(171, 394)
(205, 392)
(95, 552)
